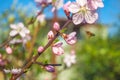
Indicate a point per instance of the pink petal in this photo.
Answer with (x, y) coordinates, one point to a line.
(91, 17)
(77, 18)
(65, 7)
(74, 7)
(81, 2)
(58, 44)
(72, 34)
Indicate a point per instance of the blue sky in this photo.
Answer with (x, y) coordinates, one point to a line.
(108, 14)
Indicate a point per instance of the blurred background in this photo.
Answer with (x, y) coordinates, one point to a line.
(97, 57)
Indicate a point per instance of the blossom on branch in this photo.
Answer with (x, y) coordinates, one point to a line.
(94, 4)
(56, 26)
(70, 59)
(18, 29)
(50, 68)
(82, 12)
(50, 35)
(57, 4)
(71, 38)
(57, 48)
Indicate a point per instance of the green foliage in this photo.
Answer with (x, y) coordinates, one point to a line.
(98, 59)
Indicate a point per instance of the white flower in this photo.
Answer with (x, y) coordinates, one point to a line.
(43, 1)
(58, 4)
(19, 29)
(69, 59)
(94, 4)
(81, 12)
(41, 18)
(13, 71)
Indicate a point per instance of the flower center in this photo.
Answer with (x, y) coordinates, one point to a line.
(83, 9)
(19, 29)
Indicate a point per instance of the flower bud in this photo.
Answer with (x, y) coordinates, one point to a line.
(56, 26)
(8, 50)
(50, 68)
(66, 10)
(50, 35)
(40, 49)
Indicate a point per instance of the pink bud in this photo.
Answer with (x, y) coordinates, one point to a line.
(57, 48)
(8, 50)
(40, 49)
(50, 68)
(56, 26)
(65, 7)
(50, 35)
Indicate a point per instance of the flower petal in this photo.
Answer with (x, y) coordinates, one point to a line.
(13, 26)
(21, 25)
(72, 34)
(13, 33)
(59, 4)
(99, 3)
(22, 34)
(26, 30)
(77, 18)
(74, 7)
(81, 2)
(58, 44)
(91, 17)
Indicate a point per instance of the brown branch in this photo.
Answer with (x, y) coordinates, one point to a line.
(34, 58)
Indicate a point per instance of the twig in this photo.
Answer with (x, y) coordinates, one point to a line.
(34, 58)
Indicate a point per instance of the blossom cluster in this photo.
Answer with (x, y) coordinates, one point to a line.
(83, 10)
(79, 11)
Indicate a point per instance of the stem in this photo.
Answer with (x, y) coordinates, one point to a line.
(34, 58)
(7, 41)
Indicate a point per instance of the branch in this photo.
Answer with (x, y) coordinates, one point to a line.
(34, 58)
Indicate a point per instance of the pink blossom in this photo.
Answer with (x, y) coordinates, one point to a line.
(56, 26)
(57, 48)
(81, 12)
(40, 49)
(71, 38)
(94, 4)
(50, 35)
(8, 50)
(65, 7)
